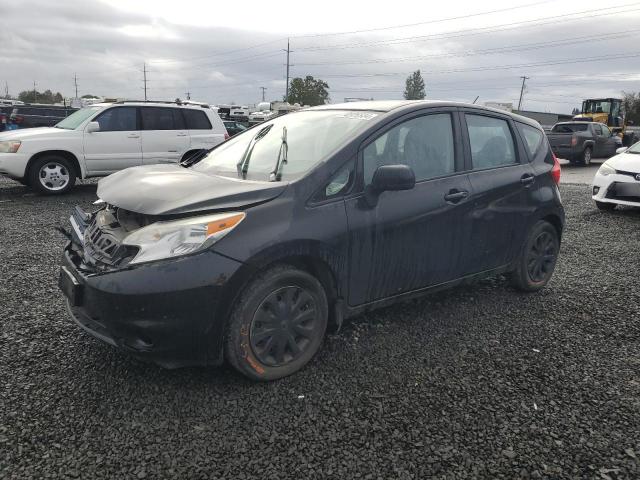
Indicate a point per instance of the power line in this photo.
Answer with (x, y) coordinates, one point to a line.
(490, 51)
(428, 22)
(494, 67)
(478, 30)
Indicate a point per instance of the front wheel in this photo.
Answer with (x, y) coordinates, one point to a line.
(586, 156)
(52, 175)
(277, 325)
(538, 258)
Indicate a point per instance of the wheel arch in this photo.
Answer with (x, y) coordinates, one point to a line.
(62, 153)
(556, 222)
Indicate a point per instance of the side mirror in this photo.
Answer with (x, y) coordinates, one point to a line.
(621, 150)
(389, 178)
(93, 127)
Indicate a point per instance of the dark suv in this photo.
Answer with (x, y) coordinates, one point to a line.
(251, 252)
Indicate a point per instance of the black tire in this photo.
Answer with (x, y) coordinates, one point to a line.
(585, 159)
(607, 207)
(537, 259)
(268, 320)
(52, 175)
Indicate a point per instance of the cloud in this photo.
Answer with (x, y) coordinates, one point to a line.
(106, 47)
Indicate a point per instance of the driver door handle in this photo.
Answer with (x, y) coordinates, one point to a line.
(455, 196)
(133, 135)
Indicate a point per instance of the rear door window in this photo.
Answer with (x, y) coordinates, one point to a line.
(160, 118)
(491, 141)
(119, 119)
(196, 119)
(597, 130)
(533, 138)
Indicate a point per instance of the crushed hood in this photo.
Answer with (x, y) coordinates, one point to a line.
(173, 190)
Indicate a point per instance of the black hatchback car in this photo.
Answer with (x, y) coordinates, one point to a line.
(251, 252)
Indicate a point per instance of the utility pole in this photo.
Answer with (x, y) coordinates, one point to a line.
(6, 89)
(144, 79)
(35, 93)
(524, 79)
(188, 94)
(264, 89)
(286, 95)
(75, 82)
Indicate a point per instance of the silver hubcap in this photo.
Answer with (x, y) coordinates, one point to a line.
(53, 176)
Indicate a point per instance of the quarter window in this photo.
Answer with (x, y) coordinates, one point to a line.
(119, 119)
(196, 119)
(491, 141)
(158, 118)
(425, 144)
(532, 138)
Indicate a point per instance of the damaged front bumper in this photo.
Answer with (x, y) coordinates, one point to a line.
(165, 311)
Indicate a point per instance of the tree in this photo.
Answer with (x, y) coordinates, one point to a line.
(631, 105)
(308, 91)
(575, 111)
(29, 96)
(89, 96)
(414, 89)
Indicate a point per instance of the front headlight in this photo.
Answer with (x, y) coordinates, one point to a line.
(10, 146)
(606, 169)
(180, 237)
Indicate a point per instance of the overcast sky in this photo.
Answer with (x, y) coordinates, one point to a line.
(224, 52)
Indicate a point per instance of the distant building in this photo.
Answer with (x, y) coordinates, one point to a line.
(508, 107)
(545, 119)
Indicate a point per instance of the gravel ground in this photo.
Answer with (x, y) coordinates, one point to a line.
(478, 382)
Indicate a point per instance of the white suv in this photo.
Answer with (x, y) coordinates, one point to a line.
(104, 138)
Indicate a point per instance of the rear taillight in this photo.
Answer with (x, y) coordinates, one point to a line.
(574, 141)
(555, 171)
(226, 136)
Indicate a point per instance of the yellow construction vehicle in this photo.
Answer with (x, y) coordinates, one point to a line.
(610, 112)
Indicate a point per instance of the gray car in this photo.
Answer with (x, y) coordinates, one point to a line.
(579, 142)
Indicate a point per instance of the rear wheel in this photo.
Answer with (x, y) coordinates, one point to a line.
(52, 175)
(538, 258)
(277, 325)
(607, 207)
(586, 156)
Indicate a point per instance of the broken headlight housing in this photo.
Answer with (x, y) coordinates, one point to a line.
(174, 238)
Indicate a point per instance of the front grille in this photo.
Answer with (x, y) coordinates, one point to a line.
(630, 174)
(103, 246)
(102, 243)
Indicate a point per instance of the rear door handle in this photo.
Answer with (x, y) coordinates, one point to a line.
(527, 179)
(181, 134)
(133, 135)
(455, 196)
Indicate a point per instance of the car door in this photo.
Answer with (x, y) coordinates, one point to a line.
(600, 144)
(164, 136)
(116, 145)
(501, 178)
(409, 239)
(609, 142)
(201, 131)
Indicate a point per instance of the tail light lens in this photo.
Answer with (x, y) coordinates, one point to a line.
(574, 141)
(555, 171)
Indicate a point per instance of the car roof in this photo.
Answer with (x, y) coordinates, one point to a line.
(134, 103)
(393, 105)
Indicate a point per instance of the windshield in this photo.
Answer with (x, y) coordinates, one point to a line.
(74, 120)
(311, 137)
(596, 106)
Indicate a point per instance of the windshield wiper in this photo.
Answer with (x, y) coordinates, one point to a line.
(276, 173)
(243, 164)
